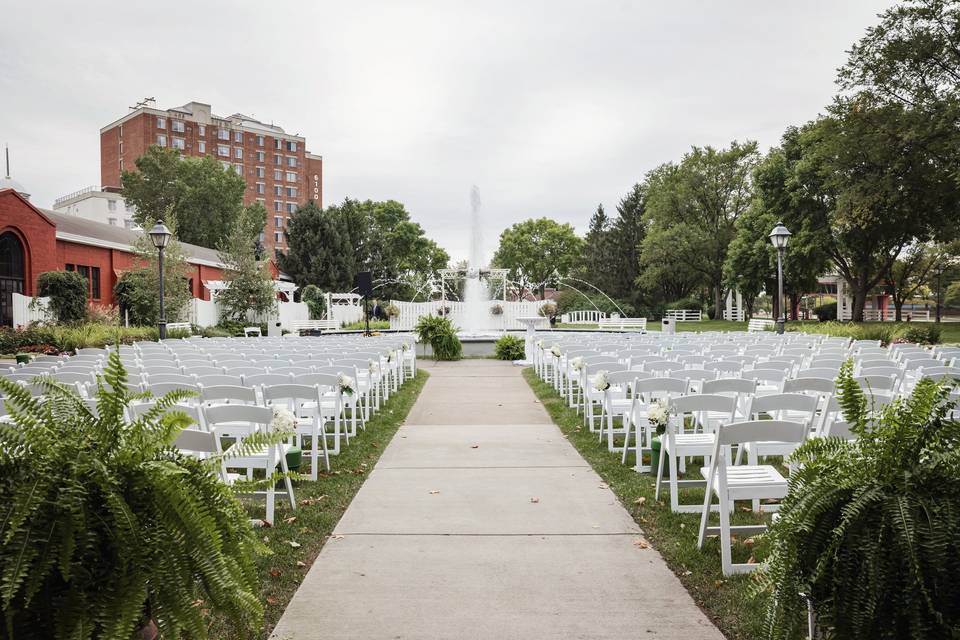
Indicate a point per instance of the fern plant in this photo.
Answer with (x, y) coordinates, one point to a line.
(105, 527)
(870, 530)
(441, 335)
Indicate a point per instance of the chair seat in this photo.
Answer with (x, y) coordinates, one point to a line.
(691, 444)
(763, 448)
(749, 481)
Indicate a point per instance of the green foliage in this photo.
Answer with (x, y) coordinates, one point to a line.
(885, 332)
(196, 195)
(547, 310)
(509, 347)
(870, 529)
(249, 282)
(686, 303)
(535, 250)
(67, 291)
(928, 333)
(441, 335)
(138, 289)
(106, 525)
(826, 312)
(361, 325)
(64, 338)
(570, 300)
(315, 300)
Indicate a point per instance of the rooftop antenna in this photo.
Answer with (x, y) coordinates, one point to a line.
(6, 148)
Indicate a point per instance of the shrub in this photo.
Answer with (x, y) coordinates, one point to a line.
(509, 347)
(496, 309)
(882, 332)
(686, 303)
(921, 334)
(391, 310)
(315, 300)
(107, 527)
(870, 528)
(826, 312)
(103, 314)
(138, 295)
(67, 291)
(441, 335)
(548, 310)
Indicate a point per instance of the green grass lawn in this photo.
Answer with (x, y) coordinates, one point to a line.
(725, 600)
(298, 536)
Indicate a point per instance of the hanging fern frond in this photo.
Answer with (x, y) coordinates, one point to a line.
(104, 524)
(870, 530)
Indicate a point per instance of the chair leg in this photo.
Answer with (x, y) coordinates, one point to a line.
(726, 552)
(674, 485)
(660, 472)
(626, 442)
(705, 516)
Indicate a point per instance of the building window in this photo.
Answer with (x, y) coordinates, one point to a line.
(277, 206)
(112, 222)
(278, 221)
(112, 205)
(226, 165)
(161, 140)
(261, 156)
(177, 126)
(178, 143)
(291, 192)
(278, 236)
(277, 190)
(277, 143)
(121, 148)
(128, 223)
(261, 172)
(161, 123)
(202, 146)
(238, 153)
(223, 134)
(238, 168)
(262, 202)
(261, 188)
(201, 130)
(291, 176)
(223, 150)
(292, 146)
(91, 275)
(259, 141)
(291, 161)
(277, 175)
(291, 207)
(238, 136)
(277, 159)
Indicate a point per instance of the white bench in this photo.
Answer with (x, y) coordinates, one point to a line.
(623, 323)
(180, 326)
(315, 325)
(589, 316)
(252, 332)
(760, 324)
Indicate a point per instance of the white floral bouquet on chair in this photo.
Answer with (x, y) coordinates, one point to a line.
(345, 384)
(577, 363)
(372, 366)
(555, 351)
(283, 420)
(600, 381)
(540, 344)
(658, 414)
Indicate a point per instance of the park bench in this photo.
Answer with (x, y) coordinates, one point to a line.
(760, 324)
(180, 326)
(623, 323)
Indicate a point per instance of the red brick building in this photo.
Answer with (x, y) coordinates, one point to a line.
(34, 240)
(279, 171)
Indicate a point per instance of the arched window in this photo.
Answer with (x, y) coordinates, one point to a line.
(11, 274)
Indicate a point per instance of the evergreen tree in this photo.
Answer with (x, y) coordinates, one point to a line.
(319, 251)
(249, 282)
(623, 249)
(596, 266)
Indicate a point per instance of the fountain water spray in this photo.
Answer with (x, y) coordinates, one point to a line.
(475, 295)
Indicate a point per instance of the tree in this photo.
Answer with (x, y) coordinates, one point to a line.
(67, 291)
(249, 282)
(198, 195)
(703, 196)
(913, 271)
(665, 271)
(319, 249)
(622, 250)
(535, 249)
(596, 267)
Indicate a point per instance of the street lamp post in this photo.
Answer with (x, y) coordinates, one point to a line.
(160, 236)
(779, 238)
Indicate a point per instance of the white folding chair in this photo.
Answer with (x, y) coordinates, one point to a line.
(303, 401)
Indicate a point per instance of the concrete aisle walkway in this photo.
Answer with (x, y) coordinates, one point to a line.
(481, 521)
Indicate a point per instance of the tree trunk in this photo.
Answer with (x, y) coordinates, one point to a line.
(897, 310)
(859, 301)
(718, 302)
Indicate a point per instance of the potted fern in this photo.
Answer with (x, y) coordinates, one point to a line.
(106, 529)
(868, 539)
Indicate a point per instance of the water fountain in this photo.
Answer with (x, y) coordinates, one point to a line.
(476, 300)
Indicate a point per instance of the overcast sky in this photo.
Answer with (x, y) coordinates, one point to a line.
(550, 107)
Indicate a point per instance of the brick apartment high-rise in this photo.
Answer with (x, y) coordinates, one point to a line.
(279, 171)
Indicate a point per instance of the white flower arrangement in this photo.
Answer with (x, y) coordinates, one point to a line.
(577, 363)
(406, 346)
(540, 344)
(658, 415)
(345, 384)
(372, 366)
(283, 420)
(600, 382)
(555, 350)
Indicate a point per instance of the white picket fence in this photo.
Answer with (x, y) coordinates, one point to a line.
(684, 315)
(916, 315)
(206, 313)
(588, 316)
(411, 312)
(26, 311)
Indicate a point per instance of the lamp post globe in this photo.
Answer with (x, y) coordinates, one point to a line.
(160, 236)
(779, 238)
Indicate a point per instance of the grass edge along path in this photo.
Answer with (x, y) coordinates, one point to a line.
(725, 600)
(297, 537)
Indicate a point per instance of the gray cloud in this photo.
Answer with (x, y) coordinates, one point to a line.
(550, 107)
